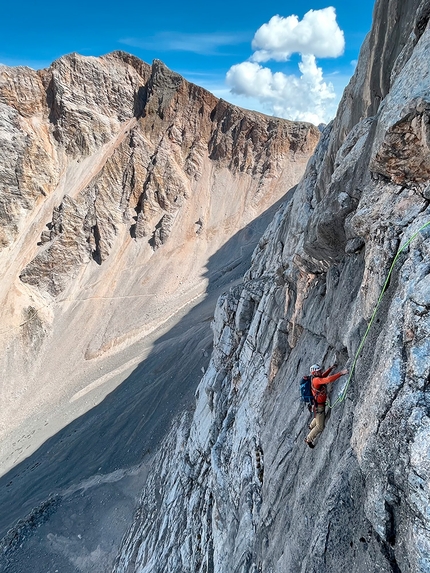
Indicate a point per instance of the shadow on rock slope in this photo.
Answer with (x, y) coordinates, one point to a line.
(67, 506)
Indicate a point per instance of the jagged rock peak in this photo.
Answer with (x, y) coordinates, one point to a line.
(117, 112)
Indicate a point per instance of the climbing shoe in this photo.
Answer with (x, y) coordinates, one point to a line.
(310, 444)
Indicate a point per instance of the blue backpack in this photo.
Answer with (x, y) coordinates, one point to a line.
(306, 391)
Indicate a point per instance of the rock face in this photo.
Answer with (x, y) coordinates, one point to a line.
(130, 200)
(245, 494)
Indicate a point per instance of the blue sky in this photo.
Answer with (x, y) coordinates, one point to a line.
(250, 53)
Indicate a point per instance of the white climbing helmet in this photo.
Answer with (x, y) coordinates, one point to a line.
(315, 368)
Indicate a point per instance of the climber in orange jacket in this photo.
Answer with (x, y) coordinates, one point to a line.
(319, 380)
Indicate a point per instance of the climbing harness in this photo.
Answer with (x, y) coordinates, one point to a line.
(342, 395)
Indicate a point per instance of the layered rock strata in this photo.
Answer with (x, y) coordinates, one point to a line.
(245, 494)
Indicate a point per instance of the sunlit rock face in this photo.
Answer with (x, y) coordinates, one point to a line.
(129, 200)
(234, 488)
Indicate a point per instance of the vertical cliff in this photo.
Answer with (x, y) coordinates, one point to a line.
(234, 487)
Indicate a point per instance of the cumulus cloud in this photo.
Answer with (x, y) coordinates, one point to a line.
(317, 34)
(304, 97)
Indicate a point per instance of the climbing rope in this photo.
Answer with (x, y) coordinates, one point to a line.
(342, 395)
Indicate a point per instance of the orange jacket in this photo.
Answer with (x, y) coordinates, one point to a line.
(319, 390)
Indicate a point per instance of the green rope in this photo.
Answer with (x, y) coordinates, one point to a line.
(342, 395)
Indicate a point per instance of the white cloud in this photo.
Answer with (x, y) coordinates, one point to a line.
(304, 97)
(208, 44)
(317, 34)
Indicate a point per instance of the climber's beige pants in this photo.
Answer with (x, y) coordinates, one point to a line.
(317, 424)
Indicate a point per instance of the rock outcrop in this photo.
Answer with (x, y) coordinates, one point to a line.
(245, 494)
